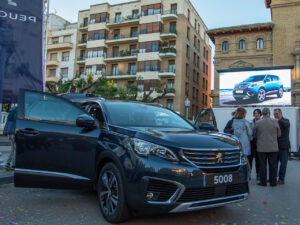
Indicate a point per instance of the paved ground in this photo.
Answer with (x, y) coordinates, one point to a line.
(266, 206)
(226, 99)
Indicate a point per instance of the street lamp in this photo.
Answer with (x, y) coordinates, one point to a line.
(187, 104)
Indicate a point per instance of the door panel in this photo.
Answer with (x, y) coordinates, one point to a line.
(51, 150)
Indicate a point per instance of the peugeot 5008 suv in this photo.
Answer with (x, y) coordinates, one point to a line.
(141, 159)
(258, 87)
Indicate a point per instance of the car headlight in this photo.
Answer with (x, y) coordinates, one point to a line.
(244, 158)
(144, 148)
(252, 85)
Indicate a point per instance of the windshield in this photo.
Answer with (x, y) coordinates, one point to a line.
(140, 115)
(255, 78)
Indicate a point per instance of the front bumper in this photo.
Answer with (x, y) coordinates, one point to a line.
(173, 188)
(246, 93)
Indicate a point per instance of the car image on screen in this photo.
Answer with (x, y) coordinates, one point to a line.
(258, 87)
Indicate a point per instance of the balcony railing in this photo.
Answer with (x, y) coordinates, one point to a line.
(122, 54)
(120, 37)
(168, 70)
(167, 50)
(97, 38)
(123, 19)
(150, 12)
(120, 73)
(170, 12)
(81, 58)
(83, 41)
(83, 25)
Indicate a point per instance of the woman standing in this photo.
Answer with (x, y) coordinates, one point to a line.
(257, 116)
(242, 130)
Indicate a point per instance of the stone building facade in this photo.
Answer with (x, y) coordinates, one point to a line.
(275, 44)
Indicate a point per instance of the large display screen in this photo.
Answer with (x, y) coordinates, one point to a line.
(257, 87)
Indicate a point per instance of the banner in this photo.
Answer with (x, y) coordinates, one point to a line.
(21, 47)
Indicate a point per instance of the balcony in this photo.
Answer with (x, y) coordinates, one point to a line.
(82, 42)
(167, 52)
(60, 46)
(120, 75)
(168, 34)
(83, 26)
(122, 56)
(53, 62)
(51, 79)
(170, 15)
(129, 20)
(81, 59)
(119, 39)
(167, 72)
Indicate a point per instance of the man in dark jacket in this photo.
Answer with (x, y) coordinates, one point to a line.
(10, 130)
(283, 143)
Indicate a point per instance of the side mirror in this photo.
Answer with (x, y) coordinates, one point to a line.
(207, 127)
(86, 121)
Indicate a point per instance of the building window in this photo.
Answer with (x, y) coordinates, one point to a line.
(260, 43)
(188, 51)
(52, 73)
(150, 46)
(187, 89)
(172, 66)
(149, 28)
(170, 84)
(198, 46)
(194, 90)
(151, 9)
(225, 46)
(64, 72)
(132, 69)
(134, 32)
(189, 15)
(203, 98)
(174, 9)
(206, 85)
(115, 69)
(135, 14)
(242, 45)
(140, 87)
(117, 34)
(170, 104)
(195, 59)
(173, 27)
(65, 56)
(118, 17)
(67, 39)
(195, 24)
(53, 56)
(203, 83)
(187, 70)
(188, 33)
(55, 40)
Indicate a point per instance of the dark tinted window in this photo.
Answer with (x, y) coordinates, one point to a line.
(140, 115)
(255, 78)
(43, 107)
(275, 78)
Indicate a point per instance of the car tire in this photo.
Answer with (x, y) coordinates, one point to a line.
(261, 95)
(111, 194)
(280, 92)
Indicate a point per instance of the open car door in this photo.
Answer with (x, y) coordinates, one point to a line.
(206, 121)
(52, 151)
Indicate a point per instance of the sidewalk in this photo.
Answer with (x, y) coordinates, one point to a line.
(6, 177)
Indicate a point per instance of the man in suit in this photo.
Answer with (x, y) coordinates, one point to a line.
(267, 131)
(283, 143)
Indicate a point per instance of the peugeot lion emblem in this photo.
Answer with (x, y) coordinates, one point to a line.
(219, 157)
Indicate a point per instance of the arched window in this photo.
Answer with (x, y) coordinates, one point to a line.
(260, 43)
(225, 46)
(242, 45)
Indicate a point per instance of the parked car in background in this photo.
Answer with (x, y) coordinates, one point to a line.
(258, 87)
(141, 159)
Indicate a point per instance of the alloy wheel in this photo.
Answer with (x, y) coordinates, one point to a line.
(280, 92)
(261, 95)
(109, 194)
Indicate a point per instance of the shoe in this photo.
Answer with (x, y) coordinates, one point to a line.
(261, 184)
(280, 182)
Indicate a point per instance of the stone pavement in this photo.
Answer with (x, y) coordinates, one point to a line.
(6, 177)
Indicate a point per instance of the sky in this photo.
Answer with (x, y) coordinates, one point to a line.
(214, 13)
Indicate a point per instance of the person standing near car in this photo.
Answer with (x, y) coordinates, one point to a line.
(257, 116)
(283, 143)
(10, 131)
(242, 130)
(267, 131)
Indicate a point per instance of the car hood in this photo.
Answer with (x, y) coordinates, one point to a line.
(180, 138)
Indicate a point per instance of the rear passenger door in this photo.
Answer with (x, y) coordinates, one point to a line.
(52, 152)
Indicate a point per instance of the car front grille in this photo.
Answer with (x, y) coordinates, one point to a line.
(213, 158)
(242, 87)
(163, 189)
(206, 193)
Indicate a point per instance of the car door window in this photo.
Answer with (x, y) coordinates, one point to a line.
(44, 107)
(206, 116)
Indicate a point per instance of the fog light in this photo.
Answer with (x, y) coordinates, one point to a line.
(149, 195)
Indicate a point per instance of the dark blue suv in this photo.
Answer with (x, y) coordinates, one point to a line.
(258, 87)
(141, 159)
